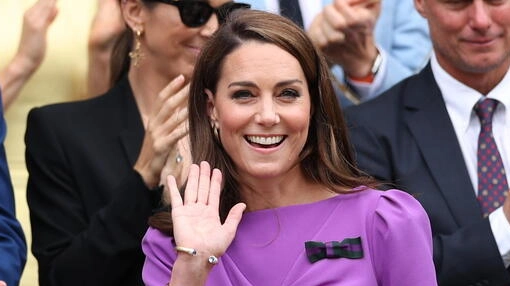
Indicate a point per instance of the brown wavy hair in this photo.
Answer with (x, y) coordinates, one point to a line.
(327, 157)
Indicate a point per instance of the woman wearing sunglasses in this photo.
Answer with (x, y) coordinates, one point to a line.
(94, 166)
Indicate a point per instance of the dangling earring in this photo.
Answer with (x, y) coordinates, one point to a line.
(216, 131)
(136, 54)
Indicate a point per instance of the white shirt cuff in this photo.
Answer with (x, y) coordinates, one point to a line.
(501, 231)
(367, 91)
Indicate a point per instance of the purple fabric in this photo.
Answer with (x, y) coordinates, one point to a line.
(269, 245)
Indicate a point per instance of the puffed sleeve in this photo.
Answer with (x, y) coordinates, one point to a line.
(401, 241)
(159, 258)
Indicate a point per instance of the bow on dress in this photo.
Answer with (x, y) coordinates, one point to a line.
(348, 248)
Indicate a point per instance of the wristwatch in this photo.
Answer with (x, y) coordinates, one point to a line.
(377, 63)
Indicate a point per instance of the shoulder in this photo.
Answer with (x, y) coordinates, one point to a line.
(81, 109)
(396, 209)
(390, 105)
(386, 203)
(81, 114)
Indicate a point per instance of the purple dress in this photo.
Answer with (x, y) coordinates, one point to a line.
(269, 247)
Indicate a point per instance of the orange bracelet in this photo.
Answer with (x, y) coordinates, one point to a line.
(367, 79)
(373, 71)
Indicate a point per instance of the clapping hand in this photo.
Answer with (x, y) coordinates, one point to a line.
(344, 32)
(196, 220)
(107, 25)
(31, 49)
(36, 20)
(167, 124)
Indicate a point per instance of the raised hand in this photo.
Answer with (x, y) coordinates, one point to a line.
(196, 220)
(31, 49)
(107, 26)
(36, 20)
(344, 32)
(167, 124)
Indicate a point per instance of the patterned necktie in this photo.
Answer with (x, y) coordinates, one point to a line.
(291, 10)
(492, 182)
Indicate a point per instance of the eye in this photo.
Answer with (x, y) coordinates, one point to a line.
(496, 2)
(290, 93)
(242, 94)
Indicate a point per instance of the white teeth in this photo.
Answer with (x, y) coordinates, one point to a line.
(265, 140)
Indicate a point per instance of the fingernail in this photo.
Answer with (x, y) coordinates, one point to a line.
(180, 78)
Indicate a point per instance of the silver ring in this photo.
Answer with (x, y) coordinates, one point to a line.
(178, 158)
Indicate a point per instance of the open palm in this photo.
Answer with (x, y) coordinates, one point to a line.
(196, 220)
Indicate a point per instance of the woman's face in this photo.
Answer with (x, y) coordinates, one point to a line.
(262, 109)
(170, 46)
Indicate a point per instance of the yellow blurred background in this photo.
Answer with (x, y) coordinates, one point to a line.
(60, 78)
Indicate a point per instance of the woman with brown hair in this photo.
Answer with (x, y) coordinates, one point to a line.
(94, 166)
(264, 115)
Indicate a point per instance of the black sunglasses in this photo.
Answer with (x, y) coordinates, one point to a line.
(196, 13)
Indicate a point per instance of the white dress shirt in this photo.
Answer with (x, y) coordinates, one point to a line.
(460, 100)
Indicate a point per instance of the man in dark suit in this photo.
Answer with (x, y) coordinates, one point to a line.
(13, 250)
(423, 136)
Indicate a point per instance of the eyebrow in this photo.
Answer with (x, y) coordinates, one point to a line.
(251, 84)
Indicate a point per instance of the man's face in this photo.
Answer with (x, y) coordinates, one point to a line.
(469, 36)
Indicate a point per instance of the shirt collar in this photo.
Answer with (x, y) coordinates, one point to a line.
(460, 98)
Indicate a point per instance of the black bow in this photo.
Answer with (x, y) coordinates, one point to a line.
(348, 248)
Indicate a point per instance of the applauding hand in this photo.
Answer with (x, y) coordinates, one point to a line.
(344, 32)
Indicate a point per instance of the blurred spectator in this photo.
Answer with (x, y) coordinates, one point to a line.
(371, 44)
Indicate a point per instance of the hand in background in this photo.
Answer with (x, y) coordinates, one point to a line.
(37, 19)
(344, 32)
(166, 125)
(31, 49)
(2, 283)
(107, 26)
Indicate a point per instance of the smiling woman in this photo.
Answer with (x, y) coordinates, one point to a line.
(266, 118)
(263, 121)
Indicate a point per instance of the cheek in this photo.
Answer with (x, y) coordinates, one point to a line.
(297, 121)
(232, 119)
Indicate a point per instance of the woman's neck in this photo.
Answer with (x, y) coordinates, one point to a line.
(146, 85)
(292, 189)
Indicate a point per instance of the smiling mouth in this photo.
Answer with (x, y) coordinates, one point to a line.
(265, 141)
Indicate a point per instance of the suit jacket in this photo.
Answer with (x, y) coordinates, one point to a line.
(405, 137)
(88, 207)
(401, 34)
(13, 249)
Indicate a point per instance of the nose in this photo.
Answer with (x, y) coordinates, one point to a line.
(480, 18)
(211, 26)
(267, 114)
